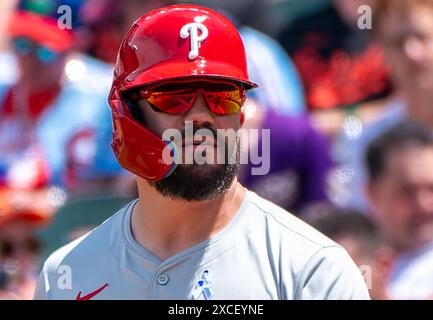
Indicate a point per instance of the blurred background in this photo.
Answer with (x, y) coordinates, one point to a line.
(346, 88)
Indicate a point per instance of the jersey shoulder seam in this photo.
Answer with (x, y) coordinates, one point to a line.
(266, 212)
(296, 294)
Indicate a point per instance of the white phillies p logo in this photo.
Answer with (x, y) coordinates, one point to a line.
(191, 30)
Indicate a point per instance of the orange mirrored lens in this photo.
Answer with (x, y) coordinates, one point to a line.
(225, 102)
(219, 102)
(173, 104)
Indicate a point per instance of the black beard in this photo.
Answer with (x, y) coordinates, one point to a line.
(198, 182)
(193, 182)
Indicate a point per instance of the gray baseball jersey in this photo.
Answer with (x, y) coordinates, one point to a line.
(263, 253)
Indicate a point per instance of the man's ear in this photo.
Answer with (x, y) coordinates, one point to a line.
(242, 117)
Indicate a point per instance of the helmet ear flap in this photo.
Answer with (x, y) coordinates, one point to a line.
(135, 111)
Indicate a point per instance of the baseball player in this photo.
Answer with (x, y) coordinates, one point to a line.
(194, 232)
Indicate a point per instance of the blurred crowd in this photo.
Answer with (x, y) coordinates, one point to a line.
(346, 89)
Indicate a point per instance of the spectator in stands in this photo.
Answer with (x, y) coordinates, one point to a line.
(299, 160)
(19, 246)
(400, 190)
(361, 237)
(53, 103)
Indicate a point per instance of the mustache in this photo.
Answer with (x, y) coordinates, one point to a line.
(210, 133)
(196, 128)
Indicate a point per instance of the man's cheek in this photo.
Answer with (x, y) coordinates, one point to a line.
(385, 202)
(399, 212)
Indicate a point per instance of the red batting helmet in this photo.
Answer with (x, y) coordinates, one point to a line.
(174, 42)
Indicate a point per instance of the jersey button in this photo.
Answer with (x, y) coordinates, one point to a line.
(162, 279)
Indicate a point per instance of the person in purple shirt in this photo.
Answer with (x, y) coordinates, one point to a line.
(299, 160)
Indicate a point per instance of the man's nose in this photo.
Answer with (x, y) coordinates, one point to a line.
(200, 112)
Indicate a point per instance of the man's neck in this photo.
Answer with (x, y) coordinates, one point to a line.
(165, 226)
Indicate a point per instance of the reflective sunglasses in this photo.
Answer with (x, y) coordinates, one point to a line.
(25, 46)
(222, 98)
